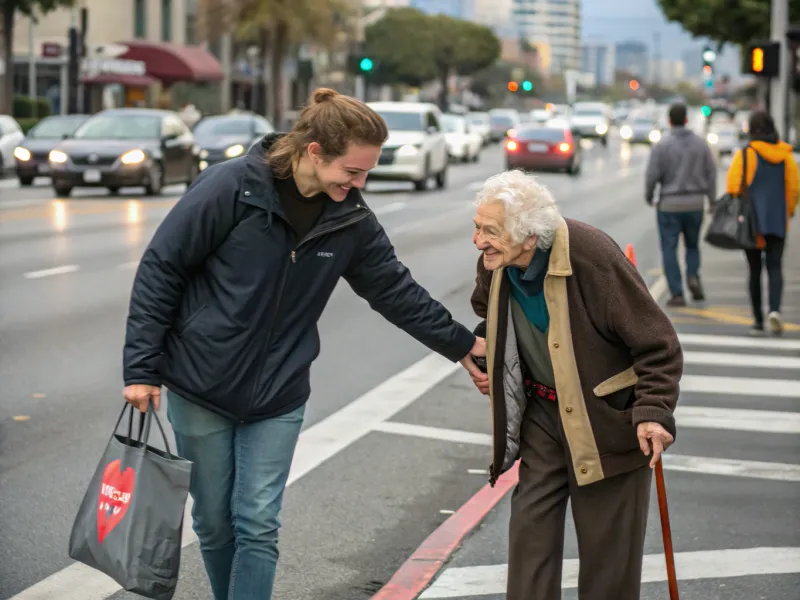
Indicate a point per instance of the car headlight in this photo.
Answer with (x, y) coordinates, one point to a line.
(22, 154)
(234, 151)
(203, 154)
(654, 136)
(58, 157)
(625, 132)
(132, 157)
(408, 150)
(712, 138)
(601, 128)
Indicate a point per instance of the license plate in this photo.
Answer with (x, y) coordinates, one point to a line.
(537, 147)
(92, 176)
(44, 169)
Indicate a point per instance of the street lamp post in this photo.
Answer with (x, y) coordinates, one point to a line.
(779, 86)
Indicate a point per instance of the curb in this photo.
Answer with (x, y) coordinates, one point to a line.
(419, 570)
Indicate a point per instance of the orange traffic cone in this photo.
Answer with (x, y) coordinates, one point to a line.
(630, 254)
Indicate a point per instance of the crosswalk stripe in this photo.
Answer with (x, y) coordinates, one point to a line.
(738, 419)
(727, 359)
(466, 582)
(740, 386)
(732, 341)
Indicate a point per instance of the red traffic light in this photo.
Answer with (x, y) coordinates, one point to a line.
(633, 84)
(513, 86)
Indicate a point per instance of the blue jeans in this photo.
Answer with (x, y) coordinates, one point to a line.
(670, 227)
(240, 472)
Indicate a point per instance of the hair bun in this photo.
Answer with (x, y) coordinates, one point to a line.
(323, 94)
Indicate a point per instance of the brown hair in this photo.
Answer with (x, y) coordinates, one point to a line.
(332, 120)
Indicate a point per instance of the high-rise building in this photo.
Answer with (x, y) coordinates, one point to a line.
(598, 58)
(554, 27)
(693, 59)
(458, 9)
(495, 14)
(632, 57)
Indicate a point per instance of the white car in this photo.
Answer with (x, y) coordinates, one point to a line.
(416, 149)
(480, 123)
(541, 115)
(462, 142)
(592, 120)
(723, 138)
(11, 136)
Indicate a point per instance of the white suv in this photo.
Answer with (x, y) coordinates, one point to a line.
(416, 149)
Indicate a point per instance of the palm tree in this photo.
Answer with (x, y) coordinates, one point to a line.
(277, 24)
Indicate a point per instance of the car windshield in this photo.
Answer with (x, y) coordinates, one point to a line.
(588, 112)
(452, 124)
(55, 128)
(224, 126)
(478, 119)
(643, 121)
(120, 127)
(540, 134)
(502, 121)
(403, 121)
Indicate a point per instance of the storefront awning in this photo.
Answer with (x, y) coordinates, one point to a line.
(171, 63)
(127, 80)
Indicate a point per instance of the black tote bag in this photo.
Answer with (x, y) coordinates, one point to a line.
(129, 525)
(733, 226)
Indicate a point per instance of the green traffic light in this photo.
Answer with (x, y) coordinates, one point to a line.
(366, 64)
(527, 86)
(706, 110)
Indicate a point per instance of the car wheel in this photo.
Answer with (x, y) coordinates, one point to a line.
(422, 184)
(441, 179)
(605, 141)
(574, 167)
(155, 180)
(62, 190)
(476, 157)
(113, 190)
(26, 181)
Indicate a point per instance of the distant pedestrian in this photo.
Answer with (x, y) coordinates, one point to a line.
(685, 170)
(224, 313)
(772, 180)
(584, 371)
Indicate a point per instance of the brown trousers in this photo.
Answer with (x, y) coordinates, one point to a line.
(610, 520)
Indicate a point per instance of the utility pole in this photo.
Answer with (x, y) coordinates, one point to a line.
(656, 59)
(73, 67)
(32, 91)
(360, 82)
(779, 86)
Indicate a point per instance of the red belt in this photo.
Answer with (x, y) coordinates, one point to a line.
(533, 388)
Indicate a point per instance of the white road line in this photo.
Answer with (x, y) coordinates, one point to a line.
(50, 272)
(659, 288)
(740, 386)
(389, 208)
(133, 264)
(732, 341)
(738, 419)
(741, 360)
(466, 582)
(316, 445)
(672, 462)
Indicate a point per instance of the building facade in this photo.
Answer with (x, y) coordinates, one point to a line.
(554, 27)
(632, 57)
(599, 59)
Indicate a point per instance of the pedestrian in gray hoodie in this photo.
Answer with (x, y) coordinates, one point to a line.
(684, 168)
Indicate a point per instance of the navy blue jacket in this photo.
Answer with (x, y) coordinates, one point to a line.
(225, 303)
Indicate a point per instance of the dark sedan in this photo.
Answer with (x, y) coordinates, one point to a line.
(550, 147)
(32, 154)
(126, 147)
(223, 137)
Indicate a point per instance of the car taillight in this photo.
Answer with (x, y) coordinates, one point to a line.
(511, 145)
(564, 147)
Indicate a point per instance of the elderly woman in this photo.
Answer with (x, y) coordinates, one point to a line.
(583, 379)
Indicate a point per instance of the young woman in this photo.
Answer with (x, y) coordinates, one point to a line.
(772, 181)
(224, 313)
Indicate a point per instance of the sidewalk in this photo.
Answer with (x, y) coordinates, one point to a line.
(732, 478)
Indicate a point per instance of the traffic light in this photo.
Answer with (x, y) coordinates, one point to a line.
(527, 86)
(706, 111)
(709, 56)
(513, 86)
(763, 59)
(366, 64)
(633, 84)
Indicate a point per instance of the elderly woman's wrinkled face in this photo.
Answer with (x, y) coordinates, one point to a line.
(491, 238)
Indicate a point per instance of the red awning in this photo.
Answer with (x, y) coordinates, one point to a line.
(126, 80)
(171, 63)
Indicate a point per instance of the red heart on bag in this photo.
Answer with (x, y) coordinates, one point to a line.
(116, 491)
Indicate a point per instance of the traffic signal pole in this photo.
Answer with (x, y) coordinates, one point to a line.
(779, 86)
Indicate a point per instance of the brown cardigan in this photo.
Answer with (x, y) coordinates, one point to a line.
(616, 357)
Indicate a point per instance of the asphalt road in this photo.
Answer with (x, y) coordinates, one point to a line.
(353, 512)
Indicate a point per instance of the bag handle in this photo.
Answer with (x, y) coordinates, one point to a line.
(743, 187)
(145, 420)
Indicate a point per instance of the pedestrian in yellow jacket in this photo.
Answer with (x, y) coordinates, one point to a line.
(772, 180)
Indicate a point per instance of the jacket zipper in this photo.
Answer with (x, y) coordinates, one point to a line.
(293, 260)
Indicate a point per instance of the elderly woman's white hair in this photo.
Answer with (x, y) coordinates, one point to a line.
(530, 208)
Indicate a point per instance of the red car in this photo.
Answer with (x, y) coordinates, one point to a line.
(543, 147)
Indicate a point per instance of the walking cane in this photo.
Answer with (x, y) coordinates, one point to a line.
(663, 509)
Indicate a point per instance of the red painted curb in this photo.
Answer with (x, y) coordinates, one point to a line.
(420, 569)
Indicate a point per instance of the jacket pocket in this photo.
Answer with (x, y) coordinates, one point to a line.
(618, 382)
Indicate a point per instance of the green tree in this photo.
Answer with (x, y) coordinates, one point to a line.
(9, 9)
(736, 22)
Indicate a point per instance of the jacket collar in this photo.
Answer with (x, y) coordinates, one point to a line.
(258, 187)
(559, 264)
